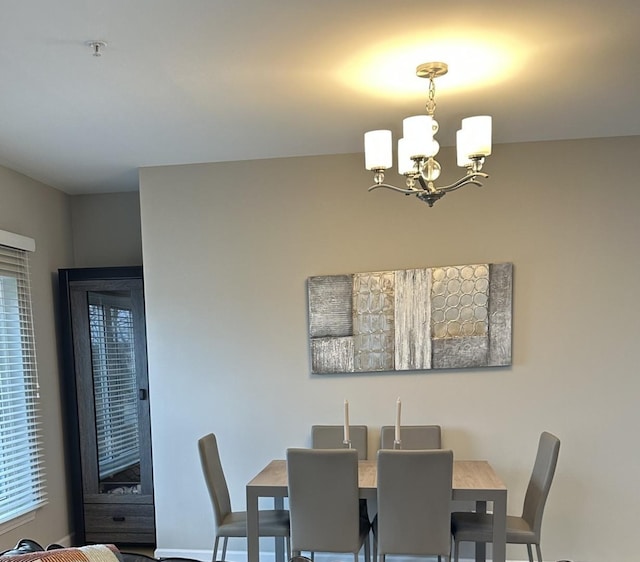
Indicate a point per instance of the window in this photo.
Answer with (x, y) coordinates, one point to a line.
(22, 486)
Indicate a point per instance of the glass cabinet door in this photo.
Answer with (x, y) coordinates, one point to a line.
(111, 378)
(115, 391)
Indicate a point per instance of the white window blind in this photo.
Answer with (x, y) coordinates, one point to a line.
(115, 383)
(22, 478)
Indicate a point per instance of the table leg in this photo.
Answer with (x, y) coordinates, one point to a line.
(253, 542)
(278, 503)
(481, 547)
(500, 527)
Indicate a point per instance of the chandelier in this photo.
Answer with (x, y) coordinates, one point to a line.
(417, 148)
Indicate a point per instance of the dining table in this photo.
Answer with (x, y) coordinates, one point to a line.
(473, 480)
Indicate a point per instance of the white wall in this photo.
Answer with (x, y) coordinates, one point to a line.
(228, 248)
(41, 212)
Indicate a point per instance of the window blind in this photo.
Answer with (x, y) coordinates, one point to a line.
(114, 382)
(22, 476)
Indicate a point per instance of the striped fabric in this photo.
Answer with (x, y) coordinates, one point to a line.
(90, 553)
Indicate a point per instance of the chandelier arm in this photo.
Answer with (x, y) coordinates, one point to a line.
(469, 179)
(394, 188)
(469, 182)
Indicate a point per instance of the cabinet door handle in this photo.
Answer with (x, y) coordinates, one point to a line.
(118, 518)
(142, 393)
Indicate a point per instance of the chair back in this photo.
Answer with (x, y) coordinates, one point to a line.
(413, 437)
(540, 482)
(323, 500)
(214, 477)
(414, 502)
(332, 436)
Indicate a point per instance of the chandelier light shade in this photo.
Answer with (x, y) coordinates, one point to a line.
(418, 147)
(377, 150)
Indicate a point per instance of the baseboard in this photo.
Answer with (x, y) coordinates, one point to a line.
(269, 556)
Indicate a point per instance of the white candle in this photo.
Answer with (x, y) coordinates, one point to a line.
(346, 421)
(398, 408)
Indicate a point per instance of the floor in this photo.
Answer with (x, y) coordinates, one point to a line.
(142, 550)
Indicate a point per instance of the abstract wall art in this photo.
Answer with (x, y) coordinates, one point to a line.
(450, 317)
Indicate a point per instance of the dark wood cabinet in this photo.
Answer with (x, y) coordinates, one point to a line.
(107, 404)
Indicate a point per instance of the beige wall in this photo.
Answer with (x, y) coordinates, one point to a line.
(42, 213)
(70, 231)
(228, 248)
(106, 229)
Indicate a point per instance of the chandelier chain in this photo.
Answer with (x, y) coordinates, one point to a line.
(431, 101)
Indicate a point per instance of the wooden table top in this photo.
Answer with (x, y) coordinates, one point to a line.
(467, 475)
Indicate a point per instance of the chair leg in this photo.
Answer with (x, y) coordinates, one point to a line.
(215, 549)
(288, 545)
(456, 548)
(224, 548)
(367, 550)
(539, 551)
(530, 553)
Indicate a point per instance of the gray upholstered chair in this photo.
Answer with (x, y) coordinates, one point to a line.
(332, 436)
(228, 523)
(323, 502)
(477, 527)
(413, 437)
(414, 503)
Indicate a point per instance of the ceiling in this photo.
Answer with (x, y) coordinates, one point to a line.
(185, 81)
